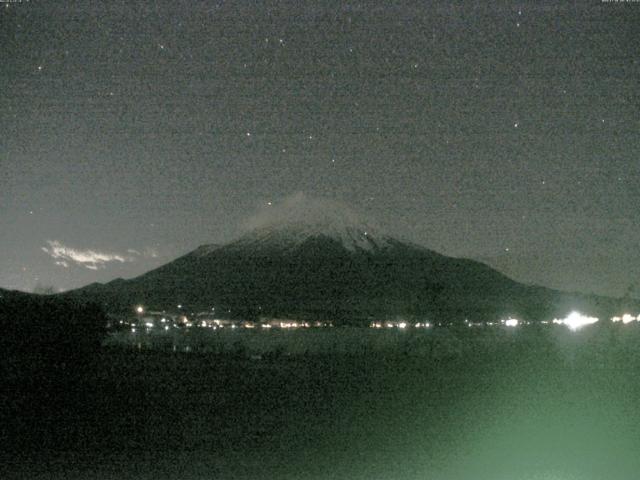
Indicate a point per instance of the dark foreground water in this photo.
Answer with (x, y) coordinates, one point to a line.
(544, 404)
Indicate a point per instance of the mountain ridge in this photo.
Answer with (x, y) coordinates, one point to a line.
(343, 275)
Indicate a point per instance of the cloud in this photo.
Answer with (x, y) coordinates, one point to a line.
(150, 253)
(91, 259)
(304, 209)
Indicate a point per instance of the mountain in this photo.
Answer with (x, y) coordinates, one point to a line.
(334, 266)
(41, 332)
(11, 295)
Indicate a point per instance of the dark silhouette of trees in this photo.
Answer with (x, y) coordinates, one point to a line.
(49, 351)
(44, 289)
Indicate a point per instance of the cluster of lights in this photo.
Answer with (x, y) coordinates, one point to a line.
(510, 322)
(401, 325)
(288, 324)
(149, 320)
(575, 320)
(476, 324)
(626, 318)
(294, 325)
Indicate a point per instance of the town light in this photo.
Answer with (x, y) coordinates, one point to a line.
(628, 318)
(140, 309)
(511, 322)
(575, 320)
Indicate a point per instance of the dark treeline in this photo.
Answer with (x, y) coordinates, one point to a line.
(49, 350)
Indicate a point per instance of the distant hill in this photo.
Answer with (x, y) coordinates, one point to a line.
(50, 351)
(30, 321)
(341, 269)
(13, 294)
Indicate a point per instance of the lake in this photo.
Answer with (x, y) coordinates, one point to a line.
(524, 403)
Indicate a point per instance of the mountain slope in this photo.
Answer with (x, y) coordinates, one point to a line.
(349, 273)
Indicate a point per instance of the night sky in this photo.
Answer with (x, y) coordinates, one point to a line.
(132, 132)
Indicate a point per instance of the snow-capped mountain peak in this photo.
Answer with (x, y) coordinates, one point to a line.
(352, 238)
(299, 218)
